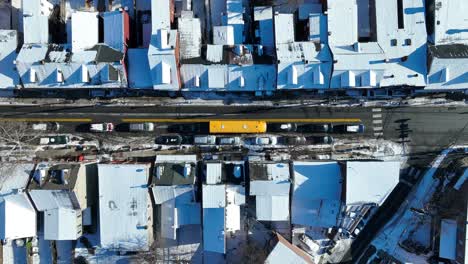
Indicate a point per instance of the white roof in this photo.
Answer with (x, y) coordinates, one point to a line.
(190, 37)
(447, 74)
(62, 224)
(123, 196)
(450, 24)
(14, 176)
(284, 28)
(160, 14)
(51, 199)
(176, 158)
(164, 193)
(36, 21)
(139, 75)
(214, 196)
(264, 16)
(263, 13)
(316, 198)
(284, 252)
(343, 22)
(84, 30)
(235, 197)
(272, 207)
(223, 35)
(234, 17)
(448, 239)
(161, 55)
(114, 30)
(214, 53)
(370, 182)
(17, 217)
(213, 173)
(8, 75)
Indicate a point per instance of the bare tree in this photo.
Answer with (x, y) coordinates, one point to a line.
(16, 136)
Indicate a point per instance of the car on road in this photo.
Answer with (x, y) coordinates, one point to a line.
(101, 127)
(314, 128)
(348, 128)
(186, 128)
(228, 140)
(261, 141)
(48, 126)
(54, 140)
(320, 139)
(281, 127)
(169, 140)
(204, 140)
(141, 127)
(294, 140)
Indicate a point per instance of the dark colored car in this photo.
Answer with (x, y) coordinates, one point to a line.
(294, 140)
(314, 128)
(186, 128)
(348, 128)
(169, 140)
(281, 127)
(320, 140)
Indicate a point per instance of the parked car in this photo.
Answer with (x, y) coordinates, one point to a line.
(204, 140)
(49, 126)
(186, 128)
(314, 128)
(54, 140)
(101, 127)
(264, 140)
(294, 140)
(348, 128)
(228, 140)
(282, 127)
(320, 139)
(141, 127)
(169, 140)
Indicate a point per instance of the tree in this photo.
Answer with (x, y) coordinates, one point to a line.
(16, 136)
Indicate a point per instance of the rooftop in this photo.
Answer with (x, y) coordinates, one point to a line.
(174, 170)
(17, 217)
(8, 75)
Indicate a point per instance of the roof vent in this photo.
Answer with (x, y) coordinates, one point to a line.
(348, 79)
(445, 75)
(32, 76)
(357, 47)
(165, 73)
(197, 81)
(241, 81)
(292, 77)
(84, 74)
(318, 76)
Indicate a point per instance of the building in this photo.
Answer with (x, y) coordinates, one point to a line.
(8, 44)
(285, 252)
(117, 29)
(84, 30)
(125, 208)
(222, 198)
(174, 192)
(270, 184)
(36, 21)
(139, 74)
(17, 217)
(446, 22)
(190, 36)
(62, 194)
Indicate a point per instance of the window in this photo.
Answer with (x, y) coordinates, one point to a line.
(401, 20)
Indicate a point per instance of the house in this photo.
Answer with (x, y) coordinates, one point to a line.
(270, 184)
(174, 193)
(84, 30)
(304, 64)
(372, 49)
(62, 194)
(190, 36)
(36, 21)
(222, 198)
(446, 22)
(125, 208)
(285, 252)
(17, 217)
(8, 44)
(117, 29)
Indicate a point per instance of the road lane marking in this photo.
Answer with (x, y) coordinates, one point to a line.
(45, 119)
(377, 122)
(376, 109)
(378, 128)
(270, 120)
(377, 116)
(380, 134)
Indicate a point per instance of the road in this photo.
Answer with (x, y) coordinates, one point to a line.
(423, 129)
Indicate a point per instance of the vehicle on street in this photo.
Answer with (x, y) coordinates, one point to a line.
(169, 140)
(101, 127)
(141, 127)
(49, 126)
(264, 141)
(293, 140)
(54, 140)
(347, 128)
(320, 139)
(282, 127)
(314, 128)
(204, 140)
(228, 140)
(186, 128)
(237, 127)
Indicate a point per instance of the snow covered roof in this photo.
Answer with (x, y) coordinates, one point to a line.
(223, 35)
(214, 203)
(116, 29)
(62, 213)
(234, 18)
(303, 65)
(84, 30)
(448, 239)
(123, 207)
(161, 13)
(450, 24)
(448, 68)
(8, 75)
(139, 76)
(284, 28)
(214, 173)
(264, 16)
(285, 252)
(214, 196)
(36, 20)
(343, 22)
(190, 36)
(14, 176)
(316, 198)
(370, 181)
(17, 217)
(162, 60)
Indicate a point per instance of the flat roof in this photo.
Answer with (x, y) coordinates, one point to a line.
(123, 195)
(8, 42)
(450, 24)
(17, 217)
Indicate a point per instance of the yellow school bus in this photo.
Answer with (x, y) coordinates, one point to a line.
(237, 127)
